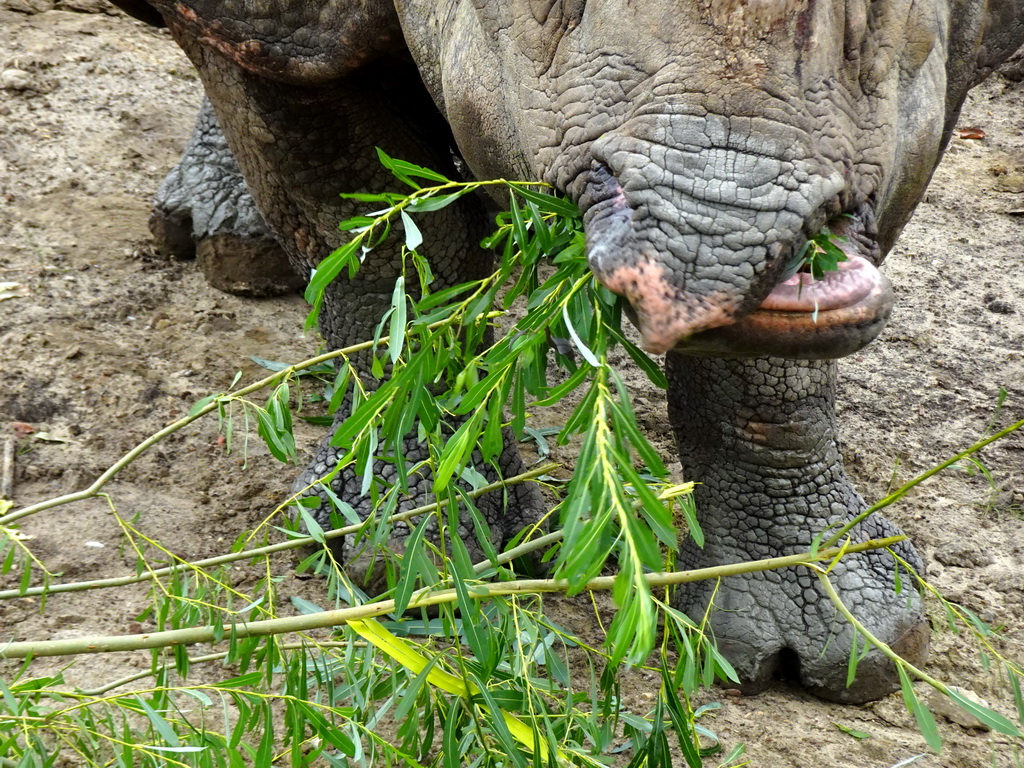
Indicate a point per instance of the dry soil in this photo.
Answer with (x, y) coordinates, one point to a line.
(102, 343)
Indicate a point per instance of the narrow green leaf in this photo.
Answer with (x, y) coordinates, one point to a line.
(925, 721)
(477, 636)
(1018, 698)
(550, 204)
(682, 720)
(583, 349)
(202, 404)
(500, 728)
(160, 725)
(396, 329)
(451, 754)
(457, 449)
(858, 735)
(689, 509)
(410, 570)
(437, 202)
(330, 267)
(854, 660)
(989, 717)
(413, 236)
(402, 169)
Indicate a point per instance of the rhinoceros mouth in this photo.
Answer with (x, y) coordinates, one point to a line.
(796, 317)
(845, 320)
(804, 317)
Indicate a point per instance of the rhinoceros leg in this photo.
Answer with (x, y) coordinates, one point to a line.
(760, 434)
(203, 209)
(298, 146)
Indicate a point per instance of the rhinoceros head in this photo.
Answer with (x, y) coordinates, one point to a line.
(706, 140)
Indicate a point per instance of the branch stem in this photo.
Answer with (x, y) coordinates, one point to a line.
(904, 489)
(193, 635)
(120, 581)
(170, 429)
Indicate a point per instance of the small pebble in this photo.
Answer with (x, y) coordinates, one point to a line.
(1001, 307)
(15, 80)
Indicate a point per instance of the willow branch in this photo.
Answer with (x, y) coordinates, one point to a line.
(170, 429)
(902, 490)
(193, 635)
(296, 543)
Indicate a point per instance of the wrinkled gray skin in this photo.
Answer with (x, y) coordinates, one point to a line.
(704, 140)
(203, 210)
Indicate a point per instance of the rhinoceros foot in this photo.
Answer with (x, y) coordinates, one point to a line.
(761, 436)
(782, 625)
(506, 512)
(204, 210)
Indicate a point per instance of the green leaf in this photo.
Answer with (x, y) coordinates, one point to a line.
(160, 725)
(402, 170)
(437, 202)
(457, 450)
(682, 720)
(550, 204)
(989, 717)
(497, 723)
(329, 732)
(477, 633)
(396, 328)
(580, 346)
(411, 570)
(519, 231)
(1018, 698)
(452, 755)
(689, 509)
(925, 721)
(858, 735)
(202, 404)
(413, 236)
(304, 606)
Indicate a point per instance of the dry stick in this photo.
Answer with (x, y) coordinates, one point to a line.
(120, 581)
(7, 470)
(170, 429)
(193, 635)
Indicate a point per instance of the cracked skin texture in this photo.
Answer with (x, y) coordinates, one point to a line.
(731, 136)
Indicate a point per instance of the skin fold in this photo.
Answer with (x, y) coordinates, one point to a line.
(705, 141)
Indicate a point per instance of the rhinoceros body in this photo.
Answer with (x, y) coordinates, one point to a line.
(705, 141)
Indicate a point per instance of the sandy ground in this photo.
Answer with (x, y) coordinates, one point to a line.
(103, 342)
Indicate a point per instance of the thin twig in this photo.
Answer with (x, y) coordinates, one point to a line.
(902, 490)
(204, 659)
(170, 429)
(193, 635)
(120, 581)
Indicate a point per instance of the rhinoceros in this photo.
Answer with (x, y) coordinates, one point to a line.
(705, 141)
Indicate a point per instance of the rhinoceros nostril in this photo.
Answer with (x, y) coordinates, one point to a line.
(601, 188)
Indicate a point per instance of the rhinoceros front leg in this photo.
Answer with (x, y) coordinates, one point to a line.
(298, 145)
(203, 210)
(760, 436)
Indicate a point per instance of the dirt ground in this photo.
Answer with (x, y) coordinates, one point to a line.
(102, 343)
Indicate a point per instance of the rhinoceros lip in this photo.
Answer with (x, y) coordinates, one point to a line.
(845, 287)
(803, 318)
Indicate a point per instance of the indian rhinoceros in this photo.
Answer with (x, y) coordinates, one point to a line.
(704, 141)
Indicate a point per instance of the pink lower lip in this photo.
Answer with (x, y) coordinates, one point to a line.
(854, 280)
